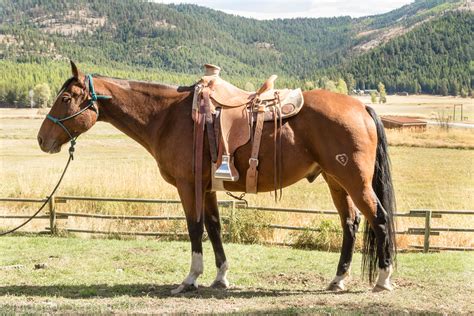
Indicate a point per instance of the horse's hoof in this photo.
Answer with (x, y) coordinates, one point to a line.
(183, 288)
(336, 287)
(220, 284)
(381, 288)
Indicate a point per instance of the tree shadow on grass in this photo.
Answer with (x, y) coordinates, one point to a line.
(150, 290)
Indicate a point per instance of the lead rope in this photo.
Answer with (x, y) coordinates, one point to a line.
(71, 157)
(59, 121)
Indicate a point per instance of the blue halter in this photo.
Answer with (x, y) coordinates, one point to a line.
(91, 105)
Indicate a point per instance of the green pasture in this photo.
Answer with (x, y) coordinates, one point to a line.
(135, 276)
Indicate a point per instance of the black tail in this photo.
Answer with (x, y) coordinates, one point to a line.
(383, 187)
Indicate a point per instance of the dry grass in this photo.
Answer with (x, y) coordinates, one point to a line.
(433, 137)
(110, 164)
(423, 106)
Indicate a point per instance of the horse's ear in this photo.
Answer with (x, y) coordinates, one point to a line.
(75, 72)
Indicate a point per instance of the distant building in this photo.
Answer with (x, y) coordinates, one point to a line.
(364, 92)
(404, 122)
(403, 93)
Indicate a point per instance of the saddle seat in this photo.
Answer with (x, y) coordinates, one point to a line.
(228, 95)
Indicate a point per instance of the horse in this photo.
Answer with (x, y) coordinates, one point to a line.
(334, 135)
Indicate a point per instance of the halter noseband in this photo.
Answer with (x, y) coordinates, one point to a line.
(90, 105)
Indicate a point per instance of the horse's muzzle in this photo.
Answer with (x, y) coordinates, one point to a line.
(48, 146)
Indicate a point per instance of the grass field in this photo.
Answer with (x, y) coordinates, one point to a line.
(431, 170)
(424, 106)
(136, 276)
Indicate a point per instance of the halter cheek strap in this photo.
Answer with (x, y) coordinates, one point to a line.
(91, 105)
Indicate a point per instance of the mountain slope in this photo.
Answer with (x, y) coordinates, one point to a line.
(175, 38)
(433, 58)
(182, 37)
(142, 38)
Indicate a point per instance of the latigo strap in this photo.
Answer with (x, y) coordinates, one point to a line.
(198, 153)
(252, 171)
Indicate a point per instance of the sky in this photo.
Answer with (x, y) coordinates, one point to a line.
(271, 9)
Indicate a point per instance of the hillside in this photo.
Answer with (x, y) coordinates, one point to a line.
(137, 36)
(433, 58)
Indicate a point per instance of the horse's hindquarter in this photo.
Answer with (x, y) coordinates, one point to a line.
(329, 128)
(342, 132)
(341, 126)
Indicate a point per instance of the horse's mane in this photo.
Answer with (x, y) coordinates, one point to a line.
(159, 85)
(143, 85)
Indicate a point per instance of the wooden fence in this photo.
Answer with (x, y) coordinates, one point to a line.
(234, 206)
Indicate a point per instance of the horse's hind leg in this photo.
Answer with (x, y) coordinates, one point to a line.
(350, 220)
(213, 227)
(365, 175)
(379, 237)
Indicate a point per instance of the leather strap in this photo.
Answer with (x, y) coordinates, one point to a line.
(210, 124)
(198, 155)
(252, 171)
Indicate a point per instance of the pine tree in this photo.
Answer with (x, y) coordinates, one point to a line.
(351, 83)
(373, 97)
(308, 85)
(341, 86)
(41, 95)
(443, 88)
(331, 86)
(249, 87)
(382, 93)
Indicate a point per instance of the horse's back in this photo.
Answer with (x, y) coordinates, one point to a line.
(333, 105)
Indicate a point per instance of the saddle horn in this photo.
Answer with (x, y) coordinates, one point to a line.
(267, 85)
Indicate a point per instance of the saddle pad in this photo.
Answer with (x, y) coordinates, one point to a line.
(291, 103)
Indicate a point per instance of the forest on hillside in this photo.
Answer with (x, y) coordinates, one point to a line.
(177, 38)
(435, 58)
(169, 43)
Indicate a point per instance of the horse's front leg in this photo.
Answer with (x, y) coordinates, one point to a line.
(195, 230)
(213, 227)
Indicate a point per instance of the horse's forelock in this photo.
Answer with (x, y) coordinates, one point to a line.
(64, 86)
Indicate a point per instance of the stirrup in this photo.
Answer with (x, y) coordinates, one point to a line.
(224, 172)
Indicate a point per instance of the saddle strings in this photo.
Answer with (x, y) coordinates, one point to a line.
(277, 155)
(280, 164)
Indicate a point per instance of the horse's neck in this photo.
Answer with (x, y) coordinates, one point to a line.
(137, 109)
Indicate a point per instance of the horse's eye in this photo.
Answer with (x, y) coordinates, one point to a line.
(66, 99)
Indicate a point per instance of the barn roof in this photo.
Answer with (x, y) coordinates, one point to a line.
(402, 120)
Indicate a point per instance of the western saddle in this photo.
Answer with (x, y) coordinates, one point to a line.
(228, 114)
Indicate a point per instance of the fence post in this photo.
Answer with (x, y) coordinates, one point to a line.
(52, 215)
(426, 244)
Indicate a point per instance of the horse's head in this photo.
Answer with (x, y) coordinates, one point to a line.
(72, 114)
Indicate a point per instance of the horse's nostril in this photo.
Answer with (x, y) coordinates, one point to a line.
(40, 140)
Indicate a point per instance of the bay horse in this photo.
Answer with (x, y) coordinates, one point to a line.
(333, 135)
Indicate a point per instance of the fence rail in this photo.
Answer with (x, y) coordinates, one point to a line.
(54, 215)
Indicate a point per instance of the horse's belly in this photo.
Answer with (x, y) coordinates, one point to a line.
(296, 161)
